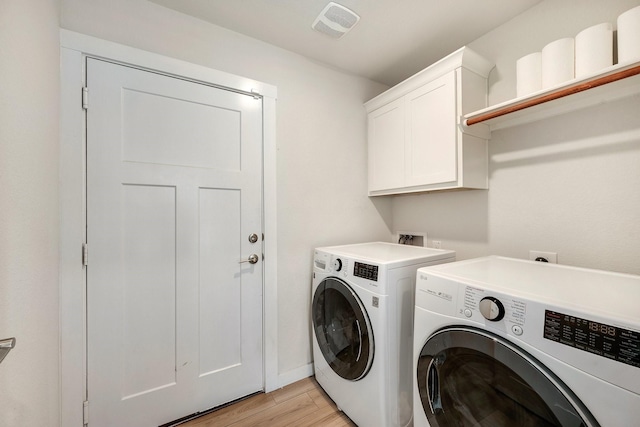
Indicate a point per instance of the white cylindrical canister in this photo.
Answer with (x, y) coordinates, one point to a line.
(594, 49)
(528, 74)
(558, 60)
(629, 36)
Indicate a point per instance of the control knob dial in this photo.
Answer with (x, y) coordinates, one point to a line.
(491, 308)
(337, 264)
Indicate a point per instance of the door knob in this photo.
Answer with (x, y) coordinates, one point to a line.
(253, 258)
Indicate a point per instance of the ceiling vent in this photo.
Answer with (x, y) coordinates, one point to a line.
(335, 20)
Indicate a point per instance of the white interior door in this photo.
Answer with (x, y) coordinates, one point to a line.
(174, 185)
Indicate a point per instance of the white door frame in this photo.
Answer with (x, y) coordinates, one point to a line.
(74, 48)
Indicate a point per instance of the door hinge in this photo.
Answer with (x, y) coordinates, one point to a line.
(85, 254)
(85, 412)
(85, 98)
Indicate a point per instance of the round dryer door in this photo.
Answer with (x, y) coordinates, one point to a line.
(470, 377)
(342, 329)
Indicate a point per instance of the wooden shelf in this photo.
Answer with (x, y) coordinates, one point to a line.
(615, 82)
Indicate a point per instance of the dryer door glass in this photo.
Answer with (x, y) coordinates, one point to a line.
(470, 377)
(342, 329)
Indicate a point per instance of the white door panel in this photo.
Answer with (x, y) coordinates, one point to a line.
(173, 191)
(386, 133)
(148, 288)
(154, 127)
(430, 148)
(220, 303)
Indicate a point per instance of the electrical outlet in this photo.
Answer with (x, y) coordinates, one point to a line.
(437, 244)
(551, 257)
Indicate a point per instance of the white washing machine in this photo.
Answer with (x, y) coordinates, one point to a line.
(506, 342)
(362, 315)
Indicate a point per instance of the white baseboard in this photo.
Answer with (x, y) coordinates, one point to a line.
(294, 375)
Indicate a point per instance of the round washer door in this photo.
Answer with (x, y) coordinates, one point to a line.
(470, 377)
(342, 329)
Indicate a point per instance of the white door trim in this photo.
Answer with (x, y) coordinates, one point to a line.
(74, 48)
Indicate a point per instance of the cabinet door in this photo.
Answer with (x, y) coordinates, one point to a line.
(430, 140)
(386, 129)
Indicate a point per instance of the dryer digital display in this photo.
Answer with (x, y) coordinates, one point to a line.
(366, 271)
(598, 338)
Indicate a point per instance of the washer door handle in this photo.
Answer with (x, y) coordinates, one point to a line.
(359, 340)
(433, 388)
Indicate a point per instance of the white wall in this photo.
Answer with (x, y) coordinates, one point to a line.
(321, 134)
(568, 184)
(29, 63)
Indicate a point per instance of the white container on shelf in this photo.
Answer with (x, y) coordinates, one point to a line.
(594, 49)
(629, 36)
(558, 59)
(528, 74)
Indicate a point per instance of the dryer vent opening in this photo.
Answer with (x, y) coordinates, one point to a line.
(335, 20)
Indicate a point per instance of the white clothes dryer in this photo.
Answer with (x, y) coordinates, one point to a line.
(506, 342)
(362, 315)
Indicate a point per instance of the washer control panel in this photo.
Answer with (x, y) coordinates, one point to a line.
(366, 271)
(499, 311)
(364, 274)
(622, 345)
(491, 308)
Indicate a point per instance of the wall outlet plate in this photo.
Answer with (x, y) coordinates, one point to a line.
(551, 257)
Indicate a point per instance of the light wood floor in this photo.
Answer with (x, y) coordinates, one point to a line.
(300, 404)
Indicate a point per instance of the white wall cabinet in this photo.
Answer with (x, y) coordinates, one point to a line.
(414, 138)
